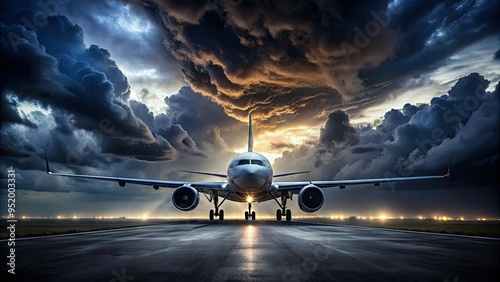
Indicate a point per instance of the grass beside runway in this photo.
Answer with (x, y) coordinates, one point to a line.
(45, 227)
(484, 228)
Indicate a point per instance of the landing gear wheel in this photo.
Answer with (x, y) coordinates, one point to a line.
(288, 215)
(283, 211)
(246, 215)
(253, 215)
(221, 215)
(211, 215)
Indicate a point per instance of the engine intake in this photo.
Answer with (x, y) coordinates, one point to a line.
(311, 198)
(185, 198)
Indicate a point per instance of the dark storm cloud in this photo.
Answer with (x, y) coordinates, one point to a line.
(128, 28)
(395, 118)
(338, 130)
(362, 150)
(282, 145)
(64, 121)
(66, 82)
(157, 151)
(431, 32)
(180, 139)
(85, 91)
(190, 119)
(252, 56)
(142, 111)
(99, 60)
(198, 114)
(15, 144)
(416, 140)
(413, 141)
(10, 114)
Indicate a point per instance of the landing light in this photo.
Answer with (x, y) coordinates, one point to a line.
(249, 199)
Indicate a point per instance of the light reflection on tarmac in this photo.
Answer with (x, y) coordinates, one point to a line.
(255, 250)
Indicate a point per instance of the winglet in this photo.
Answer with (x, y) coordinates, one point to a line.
(448, 173)
(250, 134)
(47, 165)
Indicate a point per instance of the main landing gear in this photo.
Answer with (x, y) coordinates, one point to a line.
(216, 213)
(249, 214)
(283, 211)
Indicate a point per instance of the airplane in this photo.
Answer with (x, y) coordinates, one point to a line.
(249, 179)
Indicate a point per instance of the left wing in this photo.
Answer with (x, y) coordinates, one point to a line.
(201, 186)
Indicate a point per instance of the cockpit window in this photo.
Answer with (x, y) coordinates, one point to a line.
(257, 162)
(244, 162)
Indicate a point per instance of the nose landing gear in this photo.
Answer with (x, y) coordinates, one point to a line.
(249, 214)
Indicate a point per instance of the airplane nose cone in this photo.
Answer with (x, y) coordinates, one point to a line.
(250, 180)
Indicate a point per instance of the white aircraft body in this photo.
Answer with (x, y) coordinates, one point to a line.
(249, 179)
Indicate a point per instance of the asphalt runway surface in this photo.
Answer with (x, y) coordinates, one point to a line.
(255, 250)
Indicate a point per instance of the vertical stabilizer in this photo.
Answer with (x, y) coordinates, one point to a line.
(250, 134)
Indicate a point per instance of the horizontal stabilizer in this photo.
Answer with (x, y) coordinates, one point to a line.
(290, 173)
(206, 173)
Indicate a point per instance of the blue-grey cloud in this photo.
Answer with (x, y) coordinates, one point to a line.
(416, 140)
(84, 89)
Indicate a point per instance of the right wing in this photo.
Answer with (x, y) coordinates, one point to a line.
(291, 186)
(294, 187)
(201, 186)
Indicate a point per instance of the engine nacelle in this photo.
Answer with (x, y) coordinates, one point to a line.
(185, 198)
(311, 198)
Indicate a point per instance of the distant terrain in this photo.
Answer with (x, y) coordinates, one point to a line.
(485, 228)
(44, 227)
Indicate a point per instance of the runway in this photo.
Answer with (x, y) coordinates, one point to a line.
(255, 250)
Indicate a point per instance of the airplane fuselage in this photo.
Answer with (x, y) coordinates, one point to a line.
(250, 175)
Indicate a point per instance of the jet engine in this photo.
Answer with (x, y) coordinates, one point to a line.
(185, 198)
(311, 198)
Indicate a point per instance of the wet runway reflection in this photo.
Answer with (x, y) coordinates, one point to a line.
(256, 250)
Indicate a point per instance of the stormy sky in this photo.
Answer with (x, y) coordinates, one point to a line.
(346, 89)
